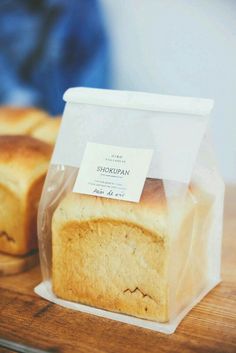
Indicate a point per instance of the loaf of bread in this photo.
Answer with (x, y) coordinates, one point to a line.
(20, 121)
(120, 256)
(23, 166)
(47, 130)
(29, 121)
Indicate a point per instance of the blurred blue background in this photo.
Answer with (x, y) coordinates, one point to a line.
(47, 46)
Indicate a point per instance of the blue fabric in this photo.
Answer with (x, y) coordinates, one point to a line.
(47, 46)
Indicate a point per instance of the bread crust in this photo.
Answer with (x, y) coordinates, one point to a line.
(13, 148)
(22, 160)
(19, 120)
(23, 166)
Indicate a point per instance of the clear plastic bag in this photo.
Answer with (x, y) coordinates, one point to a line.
(182, 197)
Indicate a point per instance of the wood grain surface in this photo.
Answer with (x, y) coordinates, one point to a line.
(209, 328)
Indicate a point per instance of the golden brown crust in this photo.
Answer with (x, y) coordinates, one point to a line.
(18, 120)
(29, 121)
(23, 166)
(23, 149)
(14, 114)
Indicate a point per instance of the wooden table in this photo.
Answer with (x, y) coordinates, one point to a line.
(210, 327)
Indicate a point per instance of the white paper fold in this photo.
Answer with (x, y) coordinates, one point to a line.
(139, 100)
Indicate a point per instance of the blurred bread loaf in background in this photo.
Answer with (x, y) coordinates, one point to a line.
(47, 130)
(23, 166)
(29, 121)
(20, 121)
(27, 136)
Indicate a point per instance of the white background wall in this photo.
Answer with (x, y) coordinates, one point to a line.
(180, 47)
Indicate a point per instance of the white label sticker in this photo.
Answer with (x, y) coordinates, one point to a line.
(113, 172)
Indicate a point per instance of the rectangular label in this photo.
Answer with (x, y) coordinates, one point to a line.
(113, 172)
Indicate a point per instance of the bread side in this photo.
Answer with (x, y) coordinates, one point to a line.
(23, 166)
